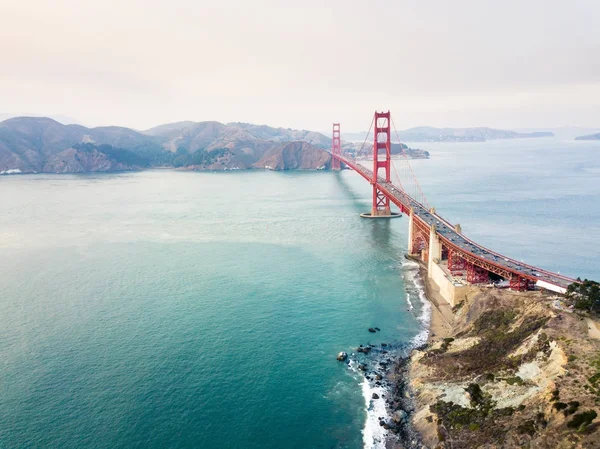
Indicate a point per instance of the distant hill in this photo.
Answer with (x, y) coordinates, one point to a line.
(241, 146)
(64, 119)
(589, 137)
(563, 132)
(285, 134)
(431, 134)
(40, 144)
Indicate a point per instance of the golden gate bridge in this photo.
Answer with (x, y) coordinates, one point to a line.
(449, 256)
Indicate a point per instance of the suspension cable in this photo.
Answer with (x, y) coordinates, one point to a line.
(424, 199)
(367, 136)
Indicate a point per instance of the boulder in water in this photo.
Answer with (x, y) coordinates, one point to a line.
(372, 330)
(375, 396)
(342, 356)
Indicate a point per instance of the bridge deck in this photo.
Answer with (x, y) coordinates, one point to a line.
(466, 248)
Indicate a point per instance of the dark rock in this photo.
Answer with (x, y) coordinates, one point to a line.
(372, 330)
(362, 367)
(384, 344)
(377, 329)
(342, 356)
(378, 377)
(375, 396)
(399, 416)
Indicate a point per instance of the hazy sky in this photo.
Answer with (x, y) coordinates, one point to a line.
(303, 64)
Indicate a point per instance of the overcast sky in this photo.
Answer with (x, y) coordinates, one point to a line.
(304, 64)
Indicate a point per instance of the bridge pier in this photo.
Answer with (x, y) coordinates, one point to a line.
(411, 230)
(435, 249)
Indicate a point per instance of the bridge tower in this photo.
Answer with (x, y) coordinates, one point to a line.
(381, 141)
(336, 147)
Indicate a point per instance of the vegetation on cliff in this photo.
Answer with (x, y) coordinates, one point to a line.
(516, 371)
(585, 295)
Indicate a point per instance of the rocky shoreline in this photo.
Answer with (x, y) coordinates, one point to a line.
(501, 369)
(385, 368)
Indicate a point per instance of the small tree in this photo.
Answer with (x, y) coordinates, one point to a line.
(584, 295)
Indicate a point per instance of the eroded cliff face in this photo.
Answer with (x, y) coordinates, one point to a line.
(516, 371)
(295, 156)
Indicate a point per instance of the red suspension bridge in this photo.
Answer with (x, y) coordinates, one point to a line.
(451, 258)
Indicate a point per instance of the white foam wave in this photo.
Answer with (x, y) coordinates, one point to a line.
(409, 302)
(374, 435)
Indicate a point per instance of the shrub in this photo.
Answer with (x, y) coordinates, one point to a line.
(446, 344)
(514, 380)
(572, 408)
(528, 427)
(458, 306)
(559, 406)
(584, 295)
(582, 420)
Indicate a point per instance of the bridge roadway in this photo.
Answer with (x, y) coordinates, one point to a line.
(467, 249)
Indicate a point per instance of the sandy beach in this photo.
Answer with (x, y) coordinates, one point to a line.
(441, 311)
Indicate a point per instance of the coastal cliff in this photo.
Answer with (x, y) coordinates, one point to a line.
(295, 156)
(506, 369)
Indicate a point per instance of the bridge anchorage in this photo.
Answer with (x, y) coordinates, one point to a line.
(452, 261)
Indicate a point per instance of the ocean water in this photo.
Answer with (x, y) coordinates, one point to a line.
(174, 309)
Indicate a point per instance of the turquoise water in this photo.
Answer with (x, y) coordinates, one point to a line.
(173, 309)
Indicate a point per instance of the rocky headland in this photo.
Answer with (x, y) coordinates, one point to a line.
(502, 369)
